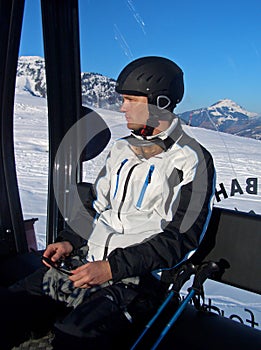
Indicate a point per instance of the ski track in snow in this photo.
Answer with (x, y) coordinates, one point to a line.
(235, 158)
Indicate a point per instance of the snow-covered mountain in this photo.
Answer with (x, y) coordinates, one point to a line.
(99, 91)
(30, 75)
(226, 116)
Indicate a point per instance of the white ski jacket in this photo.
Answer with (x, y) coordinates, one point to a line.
(152, 212)
(165, 197)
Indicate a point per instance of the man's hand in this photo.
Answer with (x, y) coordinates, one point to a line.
(91, 274)
(56, 251)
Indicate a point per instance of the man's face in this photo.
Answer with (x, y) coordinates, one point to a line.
(136, 111)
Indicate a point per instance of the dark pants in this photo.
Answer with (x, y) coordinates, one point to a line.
(107, 319)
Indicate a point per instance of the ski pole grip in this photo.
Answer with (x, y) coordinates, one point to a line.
(182, 276)
(205, 271)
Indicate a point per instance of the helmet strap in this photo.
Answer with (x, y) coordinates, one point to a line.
(147, 129)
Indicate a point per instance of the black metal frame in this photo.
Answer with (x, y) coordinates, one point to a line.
(13, 238)
(63, 74)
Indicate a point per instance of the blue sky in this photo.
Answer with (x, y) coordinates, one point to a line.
(216, 43)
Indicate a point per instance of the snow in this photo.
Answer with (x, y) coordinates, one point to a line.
(237, 160)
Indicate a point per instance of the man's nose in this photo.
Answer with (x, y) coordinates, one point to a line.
(123, 107)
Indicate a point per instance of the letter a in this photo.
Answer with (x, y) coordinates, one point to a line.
(235, 187)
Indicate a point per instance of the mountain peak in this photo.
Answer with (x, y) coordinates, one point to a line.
(226, 116)
(231, 106)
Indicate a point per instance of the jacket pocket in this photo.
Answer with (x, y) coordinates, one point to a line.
(145, 186)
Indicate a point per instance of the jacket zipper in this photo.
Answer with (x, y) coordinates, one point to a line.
(143, 190)
(145, 185)
(106, 248)
(125, 190)
(118, 176)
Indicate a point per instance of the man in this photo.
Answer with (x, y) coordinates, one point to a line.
(152, 205)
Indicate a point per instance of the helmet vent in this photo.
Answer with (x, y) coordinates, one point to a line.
(149, 78)
(160, 78)
(140, 76)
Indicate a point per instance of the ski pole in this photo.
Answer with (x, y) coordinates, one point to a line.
(181, 276)
(204, 272)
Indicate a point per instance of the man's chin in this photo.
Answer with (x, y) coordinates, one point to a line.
(133, 126)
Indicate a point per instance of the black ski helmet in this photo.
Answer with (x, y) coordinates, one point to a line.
(158, 78)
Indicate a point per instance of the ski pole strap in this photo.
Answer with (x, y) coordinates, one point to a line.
(205, 271)
(182, 275)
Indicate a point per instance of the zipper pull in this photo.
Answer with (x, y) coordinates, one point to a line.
(152, 167)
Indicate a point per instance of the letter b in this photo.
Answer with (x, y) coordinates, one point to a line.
(251, 187)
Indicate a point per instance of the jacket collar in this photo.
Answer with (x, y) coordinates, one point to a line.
(165, 138)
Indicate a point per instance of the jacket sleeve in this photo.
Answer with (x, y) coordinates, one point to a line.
(181, 236)
(69, 235)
